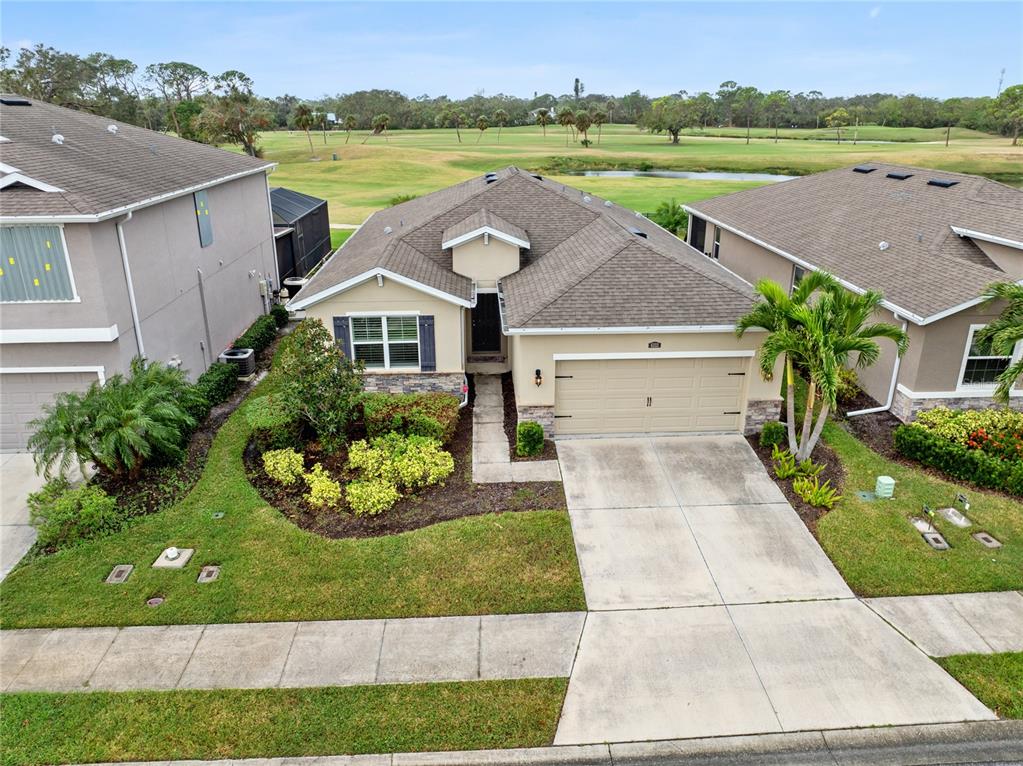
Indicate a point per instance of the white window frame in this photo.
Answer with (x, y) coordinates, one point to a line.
(715, 248)
(67, 261)
(792, 284)
(980, 388)
(386, 338)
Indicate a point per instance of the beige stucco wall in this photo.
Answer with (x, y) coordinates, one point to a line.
(485, 263)
(1008, 259)
(529, 352)
(750, 261)
(395, 297)
(943, 346)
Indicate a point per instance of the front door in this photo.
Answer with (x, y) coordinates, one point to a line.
(486, 325)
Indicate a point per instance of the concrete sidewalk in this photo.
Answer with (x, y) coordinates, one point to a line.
(958, 623)
(289, 654)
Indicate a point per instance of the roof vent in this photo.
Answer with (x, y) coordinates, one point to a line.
(608, 203)
(882, 246)
(863, 169)
(537, 176)
(899, 176)
(489, 180)
(58, 139)
(112, 129)
(388, 230)
(15, 101)
(637, 232)
(491, 175)
(587, 198)
(941, 182)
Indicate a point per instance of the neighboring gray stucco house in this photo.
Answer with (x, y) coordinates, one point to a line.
(118, 241)
(931, 241)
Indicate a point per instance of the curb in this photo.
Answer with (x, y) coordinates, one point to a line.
(919, 745)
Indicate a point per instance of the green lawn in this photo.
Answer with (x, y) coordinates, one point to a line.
(272, 570)
(339, 236)
(995, 679)
(880, 554)
(366, 176)
(178, 725)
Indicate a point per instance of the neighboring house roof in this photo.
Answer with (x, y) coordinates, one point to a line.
(289, 206)
(836, 221)
(100, 166)
(590, 264)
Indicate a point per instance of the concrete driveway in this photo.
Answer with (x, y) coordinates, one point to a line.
(714, 612)
(17, 480)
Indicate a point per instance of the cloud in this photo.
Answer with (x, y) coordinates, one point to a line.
(875, 12)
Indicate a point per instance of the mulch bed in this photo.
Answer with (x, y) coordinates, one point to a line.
(456, 498)
(511, 420)
(160, 486)
(832, 472)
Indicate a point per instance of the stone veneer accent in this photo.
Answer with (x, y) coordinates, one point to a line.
(760, 411)
(542, 414)
(414, 382)
(906, 408)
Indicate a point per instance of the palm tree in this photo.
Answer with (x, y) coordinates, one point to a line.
(583, 121)
(599, 118)
(500, 117)
(610, 107)
(1004, 333)
(380, 123)
(543, 119)
(481, 125)
(350, 124)
(819, 337)
(566, 118)
(304, 120)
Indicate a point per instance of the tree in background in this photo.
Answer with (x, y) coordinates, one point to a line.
(380, 123)
(669, 114)
(1002, 334)
(814, 98)
(599, 118)
(232, 113)
(746, 105)
(838, 119)
(303, 120)
(951, 114)
(350, 124)
(726, 98)
(1007, 109)
(481, 126)
(704, 109)
(578, 89)
(857, 113)
(776, 107)
(610, 107)
(670, 215)
(583, 121)
(543, 119)
(500, 117)
(177, 81)
(566, 118)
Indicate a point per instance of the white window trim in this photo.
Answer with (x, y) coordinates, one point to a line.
(970, 393)
(715, 246)
(386, 339)
(980, 389)
(67, 261)
(792, 281)
(98, 369)
(59, 335)
(488, 231)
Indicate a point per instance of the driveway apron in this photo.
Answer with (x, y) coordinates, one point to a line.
(713, 610)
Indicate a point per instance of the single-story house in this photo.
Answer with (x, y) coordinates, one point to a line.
(606, 322)
(301, 231)
(118, 242)
(930, 241)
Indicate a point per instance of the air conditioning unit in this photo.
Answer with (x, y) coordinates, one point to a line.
(242, 358)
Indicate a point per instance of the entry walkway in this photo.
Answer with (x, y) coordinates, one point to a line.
(289, 654)
(491, 459)
(717, 614)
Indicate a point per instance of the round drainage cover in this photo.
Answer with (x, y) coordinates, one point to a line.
(218, 515)
(155, 601)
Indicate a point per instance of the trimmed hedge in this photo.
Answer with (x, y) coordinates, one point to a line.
(218, 383)
(260, 334)
(773, 433)
(957, 461)
(280, 315)
(275, 422)
(431, 414)
(528, 439)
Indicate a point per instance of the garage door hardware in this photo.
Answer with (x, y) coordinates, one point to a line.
(561, 416)
(736, 373)
(649, 401)
(563, 377)
(732, 412)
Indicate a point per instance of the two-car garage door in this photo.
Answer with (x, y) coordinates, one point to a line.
(22, 396)
(661, 395)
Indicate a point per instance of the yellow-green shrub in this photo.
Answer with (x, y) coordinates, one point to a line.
(408, 462)
(371, 496)
(283, 465)
(323, 491)
(957, 425)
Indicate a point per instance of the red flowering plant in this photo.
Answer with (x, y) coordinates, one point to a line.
(1004, 444)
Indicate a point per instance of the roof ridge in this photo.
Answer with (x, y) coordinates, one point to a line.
(474, 195)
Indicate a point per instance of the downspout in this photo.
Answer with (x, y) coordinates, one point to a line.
(891, 388)
(131, 286)
(273, 240)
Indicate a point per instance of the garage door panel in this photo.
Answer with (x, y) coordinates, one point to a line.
(649, 395)
(22, 396)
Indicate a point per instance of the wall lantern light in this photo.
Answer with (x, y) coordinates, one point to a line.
(538, 378)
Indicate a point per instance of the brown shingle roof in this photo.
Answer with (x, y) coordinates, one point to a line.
(100, 170)
(584, 268)
(480, 219)
(836, 221)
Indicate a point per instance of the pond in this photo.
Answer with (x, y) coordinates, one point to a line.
(768, 177)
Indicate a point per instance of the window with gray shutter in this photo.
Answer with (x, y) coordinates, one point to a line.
(202, 216)
(33, 265)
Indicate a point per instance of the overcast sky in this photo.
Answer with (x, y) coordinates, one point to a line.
(310, 49)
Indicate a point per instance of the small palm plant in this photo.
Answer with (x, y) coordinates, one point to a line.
(1004, 333)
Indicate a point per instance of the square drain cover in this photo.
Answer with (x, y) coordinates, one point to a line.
(986, 540)
(953, 516)
(119, 574)
(866, 495)
(173, 558)
(208, 574)
(936, 541)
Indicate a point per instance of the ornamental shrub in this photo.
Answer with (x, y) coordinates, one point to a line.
(260, 334)
(280, 315)
(528, 439)
(772, 434)
(848, 385)
(959, 462)
(430, 414)
(784, 463)
(1004, 445)
(957, 425)
(371, 497)
(218, 383)
(65, 516)
(816, 494)
(408, 462)
(323, 492)
(284, 466)
(274, 422)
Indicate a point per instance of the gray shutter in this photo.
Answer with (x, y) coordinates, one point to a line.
(342, 335)
(427, 345)
(202, 217)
